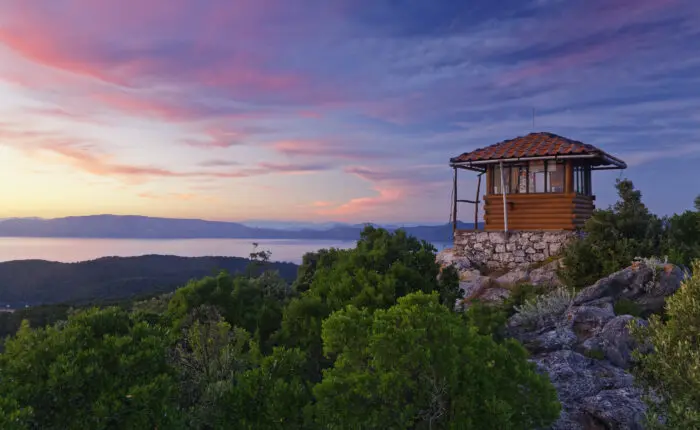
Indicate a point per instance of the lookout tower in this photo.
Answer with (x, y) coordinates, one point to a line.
(536, 182)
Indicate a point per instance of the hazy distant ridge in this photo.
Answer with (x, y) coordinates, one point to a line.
(140, 227)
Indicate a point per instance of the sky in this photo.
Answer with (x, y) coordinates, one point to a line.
(343, 110)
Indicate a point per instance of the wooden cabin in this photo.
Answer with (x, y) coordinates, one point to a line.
(536, 182)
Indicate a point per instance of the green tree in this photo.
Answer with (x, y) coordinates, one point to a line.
(254, 304)
(102, 369)
(613, 237)
(227, 383)
(672, 370)
(418, 365)
(382, 267)
(697, 203)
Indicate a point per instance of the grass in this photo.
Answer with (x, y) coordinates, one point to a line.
(627, 307)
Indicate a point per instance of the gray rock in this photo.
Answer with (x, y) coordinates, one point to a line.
(548, 339)
(588, 321)
(514, 277)
(494, 295)
(474, 285)
(644, 285)
(615, 340)
(449, 257)
(546, 275)
(592, 392)
(621, 408)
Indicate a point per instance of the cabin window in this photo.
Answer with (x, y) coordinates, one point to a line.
(534, 177)
(555, 177)
(537, 177)
(582, 180)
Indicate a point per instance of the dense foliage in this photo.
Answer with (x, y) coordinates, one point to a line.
(417, 365)
(366, 338)
(613, 237)
(673, 370)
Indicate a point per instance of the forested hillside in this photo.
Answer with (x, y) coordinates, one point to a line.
(33, 282)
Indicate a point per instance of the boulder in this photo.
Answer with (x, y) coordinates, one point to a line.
(593, 393)
(515, 276)
(615, 342)
(646, 285)
(547, 339)
(474, 285)
(621, 408)
(588, 321)
(546, 275)
(494, 295)
(449, 257)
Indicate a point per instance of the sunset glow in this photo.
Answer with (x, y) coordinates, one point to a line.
(331, 110)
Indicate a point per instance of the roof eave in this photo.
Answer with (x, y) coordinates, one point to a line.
(607, 158)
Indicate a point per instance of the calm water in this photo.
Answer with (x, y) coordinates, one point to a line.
(72, 250)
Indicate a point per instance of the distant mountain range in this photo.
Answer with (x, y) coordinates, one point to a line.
(141, 227)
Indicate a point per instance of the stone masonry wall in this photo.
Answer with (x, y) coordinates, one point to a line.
(520, 248)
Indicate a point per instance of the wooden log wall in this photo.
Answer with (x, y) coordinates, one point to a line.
(544, 211)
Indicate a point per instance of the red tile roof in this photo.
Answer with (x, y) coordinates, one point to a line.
(538, 145)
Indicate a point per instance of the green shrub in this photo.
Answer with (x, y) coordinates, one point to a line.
(418, 366)
(613, 237)
(595, 354)
(672, 370)
(541, 308)
(627, 307)
(488, 319)
(520, 293)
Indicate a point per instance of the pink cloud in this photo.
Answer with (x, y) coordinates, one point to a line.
(360, 205)
(86, 156)
(218, 138)
(318, 148)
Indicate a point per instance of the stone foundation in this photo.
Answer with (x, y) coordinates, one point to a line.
(520, 248)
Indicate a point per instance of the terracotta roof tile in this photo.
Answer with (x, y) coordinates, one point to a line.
(534, 145)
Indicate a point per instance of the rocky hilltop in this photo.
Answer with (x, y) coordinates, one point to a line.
(581, 340)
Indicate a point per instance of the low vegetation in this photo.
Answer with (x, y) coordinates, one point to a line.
(672, 373)
(361, 338)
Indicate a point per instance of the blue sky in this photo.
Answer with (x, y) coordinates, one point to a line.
(331, 110)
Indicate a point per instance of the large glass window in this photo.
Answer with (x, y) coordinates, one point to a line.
(582, 180)
(555, 177)
(537, 177)
(534, 177)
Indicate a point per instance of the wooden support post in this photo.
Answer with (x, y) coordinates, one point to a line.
(476, 203)
(454, 202)
(505, 208)
(569, 182)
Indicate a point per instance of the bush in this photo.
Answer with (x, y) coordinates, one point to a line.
(672, 371)
(488, 319)
(100, 369)
(542, 308)
(383, 267)
(417, 365)
(627, 307)
(613, 237)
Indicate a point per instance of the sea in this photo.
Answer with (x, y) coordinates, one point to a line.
(69, 250)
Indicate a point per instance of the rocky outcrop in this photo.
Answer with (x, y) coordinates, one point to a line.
(594, 393)
(644, 284)
(475, 285)
(586, 348)
(498, 250)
